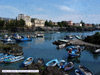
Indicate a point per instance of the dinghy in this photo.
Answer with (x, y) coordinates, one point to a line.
(53, 62)
(85, 70)
(61, 64)
(79, 72)
(13, 59)
(28, 61)
(68, 66)
(97, 51)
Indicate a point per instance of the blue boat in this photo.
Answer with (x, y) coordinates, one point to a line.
(79, 72)
(73, 54)
(68, 66)
(61, 64)
(5, 56)
(22, 39)
(53, 62)
(28, 61)
(13, 59)
(69, 47)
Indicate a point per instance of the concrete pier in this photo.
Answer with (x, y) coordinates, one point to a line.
(80, 42)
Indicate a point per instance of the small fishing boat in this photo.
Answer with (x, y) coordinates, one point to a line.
(61, 46)
(78, 37)
(85, 70)
(7, 40)
(53, 62)
(68, 37)
(79, 72)
(28, 61)
(68, 66)
(73, 54)
(22, 39)
(61, 64)
(5, 56)
(97, 51)
(69, 47)
(39, 35)
(13, 59)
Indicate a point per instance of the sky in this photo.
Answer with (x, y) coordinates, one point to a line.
(55, 10)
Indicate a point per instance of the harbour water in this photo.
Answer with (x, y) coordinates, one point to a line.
(43, 48)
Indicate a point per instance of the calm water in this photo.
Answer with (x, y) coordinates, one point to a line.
(43, 48)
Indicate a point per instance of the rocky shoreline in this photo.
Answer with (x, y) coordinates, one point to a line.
(13, 49)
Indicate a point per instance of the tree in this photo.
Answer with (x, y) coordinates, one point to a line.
(2, 22)
(83, 24)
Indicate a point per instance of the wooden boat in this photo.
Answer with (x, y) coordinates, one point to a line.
(53, 62)
(28, 61)
(61, 46)
(22, 39)
(97, 51)
(79, 72)
(13, 59)
(61, 64)
(68, 66)
(59, 42)
(5, 56)
(85, 70)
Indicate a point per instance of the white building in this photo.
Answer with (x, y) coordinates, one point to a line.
(26, 18)
(39, 23)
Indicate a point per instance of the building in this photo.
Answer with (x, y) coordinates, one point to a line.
(38, 23)
(26, 18)
(88, 25)
(77, 24)
(70, 23)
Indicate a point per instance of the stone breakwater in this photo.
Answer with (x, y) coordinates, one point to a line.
(80, 42)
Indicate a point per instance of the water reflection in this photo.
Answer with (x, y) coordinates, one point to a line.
(39, 40)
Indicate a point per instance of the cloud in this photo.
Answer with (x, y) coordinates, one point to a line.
(65, 8)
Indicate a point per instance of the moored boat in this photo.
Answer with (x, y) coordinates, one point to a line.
(78, 37)
(73, 54)
(5, 56)
(97, 51)
(85, 70)
(53, 62)
(68, 66)
(22, 39)
(79, 72)
(13, 59)
(28, 61)
(61, 64)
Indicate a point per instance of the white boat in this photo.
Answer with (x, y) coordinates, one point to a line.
(61, 46)
(97, 51)
(28, 61)
(53, 62)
